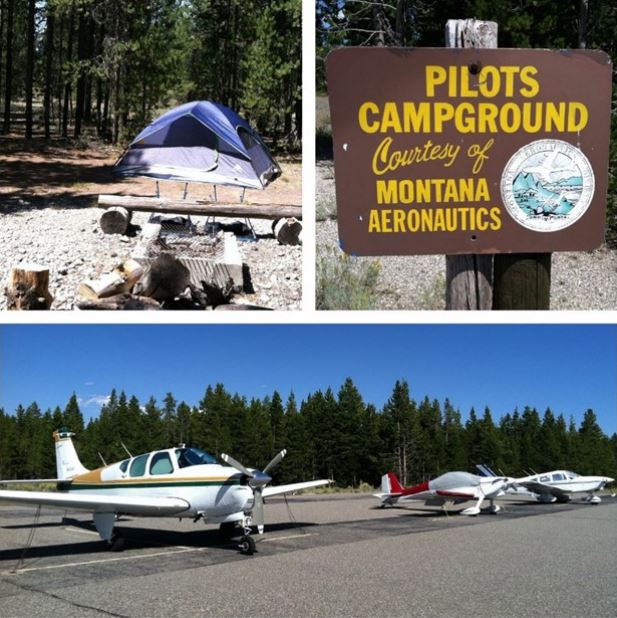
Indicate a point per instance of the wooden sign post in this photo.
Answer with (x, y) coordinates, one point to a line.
(469, 277)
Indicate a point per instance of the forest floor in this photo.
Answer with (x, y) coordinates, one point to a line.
(49, 216)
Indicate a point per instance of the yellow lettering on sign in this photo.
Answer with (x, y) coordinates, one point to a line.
(363, 112)
(435, 76)
(432, 190)
(456, 219)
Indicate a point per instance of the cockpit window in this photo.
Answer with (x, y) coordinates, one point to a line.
(138, 466)
(558, 477)
(545, 479)
(161, 464)
(193, 457)
(571, 475)
(124, 465)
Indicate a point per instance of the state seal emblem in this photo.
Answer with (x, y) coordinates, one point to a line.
(547, 185)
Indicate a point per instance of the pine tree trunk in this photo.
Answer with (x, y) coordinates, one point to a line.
(9, 67)
(59, 80)
(49, 54)
(90, 49)
(79, 103)
(2, 20)
(67, 85)
(30, 67)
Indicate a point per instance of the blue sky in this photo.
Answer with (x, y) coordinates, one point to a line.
(567, 367)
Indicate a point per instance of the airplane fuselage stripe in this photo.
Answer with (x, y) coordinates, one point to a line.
(146, 484)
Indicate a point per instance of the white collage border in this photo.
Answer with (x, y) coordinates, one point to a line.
(308, 314)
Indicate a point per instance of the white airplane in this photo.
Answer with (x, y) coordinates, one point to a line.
(556, 485)
(451, 487)
(176, 482)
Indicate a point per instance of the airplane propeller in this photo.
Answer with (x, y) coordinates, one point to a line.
(258, 479)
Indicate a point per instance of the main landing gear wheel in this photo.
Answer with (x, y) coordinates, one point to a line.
(247, 545)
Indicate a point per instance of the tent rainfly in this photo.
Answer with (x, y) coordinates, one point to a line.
(200, 142)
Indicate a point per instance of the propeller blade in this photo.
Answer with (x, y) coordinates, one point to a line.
(237, 465)
(258, 511)
(276, 460)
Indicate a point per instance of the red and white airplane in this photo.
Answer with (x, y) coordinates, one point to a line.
(176, 482)
(449, 488)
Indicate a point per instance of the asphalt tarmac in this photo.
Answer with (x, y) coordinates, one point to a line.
(321, 556)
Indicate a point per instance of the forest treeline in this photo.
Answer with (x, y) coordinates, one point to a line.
(551, 24)
(328, 435)
(107, 67)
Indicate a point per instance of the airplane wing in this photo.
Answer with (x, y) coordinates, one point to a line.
(30, 481)
(284, 489)
(541, 488)
(98, 503)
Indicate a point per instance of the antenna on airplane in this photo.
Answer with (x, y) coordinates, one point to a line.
(101, 458)
(126, 449)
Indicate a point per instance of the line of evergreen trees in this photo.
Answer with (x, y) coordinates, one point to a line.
(111, 65)
(328, 435)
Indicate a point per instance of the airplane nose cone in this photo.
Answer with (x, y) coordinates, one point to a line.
(260, 479)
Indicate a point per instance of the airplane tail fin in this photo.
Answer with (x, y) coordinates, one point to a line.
(67, 460)
(393, 482)
(390, 489)
(485, 470)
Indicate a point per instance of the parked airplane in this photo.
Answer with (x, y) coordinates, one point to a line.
(556, 485)
(176, 482)
(451, 487)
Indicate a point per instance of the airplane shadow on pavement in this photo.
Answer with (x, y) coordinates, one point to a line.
(135, 538)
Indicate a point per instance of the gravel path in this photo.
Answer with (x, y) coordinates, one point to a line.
(579, 281)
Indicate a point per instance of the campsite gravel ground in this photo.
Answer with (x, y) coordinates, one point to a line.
(48, 216)
(580, 280)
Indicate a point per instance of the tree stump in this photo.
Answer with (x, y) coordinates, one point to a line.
(28, 288)
(115, 220)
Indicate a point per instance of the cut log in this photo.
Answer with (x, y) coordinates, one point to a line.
(164, 279)
(120, 280)
(288, 231)
(250, 210)
(115, 220)
(120, 302)
(28, 288)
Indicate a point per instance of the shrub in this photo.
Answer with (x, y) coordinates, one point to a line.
(345, 282)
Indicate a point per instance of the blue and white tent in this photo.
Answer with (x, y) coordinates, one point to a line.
(200, 141)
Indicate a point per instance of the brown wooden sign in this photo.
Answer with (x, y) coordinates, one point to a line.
(469, 150)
